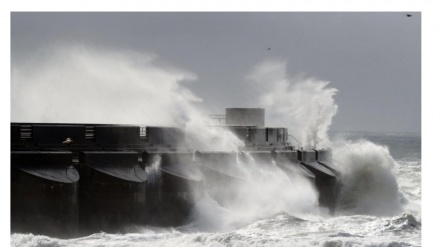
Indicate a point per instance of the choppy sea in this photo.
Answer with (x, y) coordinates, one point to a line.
(379, 205)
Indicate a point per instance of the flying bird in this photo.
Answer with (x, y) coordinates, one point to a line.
(408, 15)
(68, 141)
(268, 49)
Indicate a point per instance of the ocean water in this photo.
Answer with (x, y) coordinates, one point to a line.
(379, 205)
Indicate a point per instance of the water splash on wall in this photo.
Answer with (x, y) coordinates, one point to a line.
(263, 191)
(304, 105)
(368, 175)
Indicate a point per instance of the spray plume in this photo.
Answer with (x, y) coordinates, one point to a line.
(305, 106)
(368, 175)
(79, 84)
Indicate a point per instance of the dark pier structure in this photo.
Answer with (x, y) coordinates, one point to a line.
(75, 179)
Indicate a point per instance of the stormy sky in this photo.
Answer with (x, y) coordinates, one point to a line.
(372, 59)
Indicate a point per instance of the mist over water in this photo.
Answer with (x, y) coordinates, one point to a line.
(379, 200)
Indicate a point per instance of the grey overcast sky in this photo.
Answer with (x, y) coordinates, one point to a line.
(372, 58)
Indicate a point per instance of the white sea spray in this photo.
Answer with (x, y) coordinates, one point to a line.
(303, 104)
